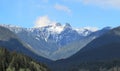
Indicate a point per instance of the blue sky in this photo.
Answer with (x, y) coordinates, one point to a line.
(79, 13)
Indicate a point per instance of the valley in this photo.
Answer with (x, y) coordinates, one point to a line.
(97, 51)
(59, 35)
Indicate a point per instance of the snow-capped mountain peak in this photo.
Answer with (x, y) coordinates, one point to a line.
(86, 30)
(13, 28)
(56, 28)
(52, 28)
(67, 26)
(61, 34)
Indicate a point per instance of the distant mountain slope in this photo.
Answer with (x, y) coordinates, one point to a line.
(11, 42)
(104, 48)
(12, 61)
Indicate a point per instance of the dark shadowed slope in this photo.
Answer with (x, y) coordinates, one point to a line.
(103, 48)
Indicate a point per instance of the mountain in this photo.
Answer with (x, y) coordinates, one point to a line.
(11, 42)
(74, 47)
(56, 41)
(101, 52)
(13, 61)
(82, 52)
(103, 47)
(55, 32)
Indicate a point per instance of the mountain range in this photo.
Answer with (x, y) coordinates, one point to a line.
(66, 49)
(56, 41)
(101, 53)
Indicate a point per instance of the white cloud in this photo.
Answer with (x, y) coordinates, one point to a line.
(100, 3)
(43, 21)
(104, 3)
(62, 8)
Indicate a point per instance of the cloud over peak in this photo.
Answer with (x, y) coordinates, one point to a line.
(43, 21)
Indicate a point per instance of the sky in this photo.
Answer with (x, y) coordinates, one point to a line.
(79, 13)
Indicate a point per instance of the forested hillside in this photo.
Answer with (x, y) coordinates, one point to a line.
(12, 61)
(111, 65)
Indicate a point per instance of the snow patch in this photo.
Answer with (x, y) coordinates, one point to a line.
(37, 38)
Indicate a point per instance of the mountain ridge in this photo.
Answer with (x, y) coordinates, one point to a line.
(51, 40)
(102, 49)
